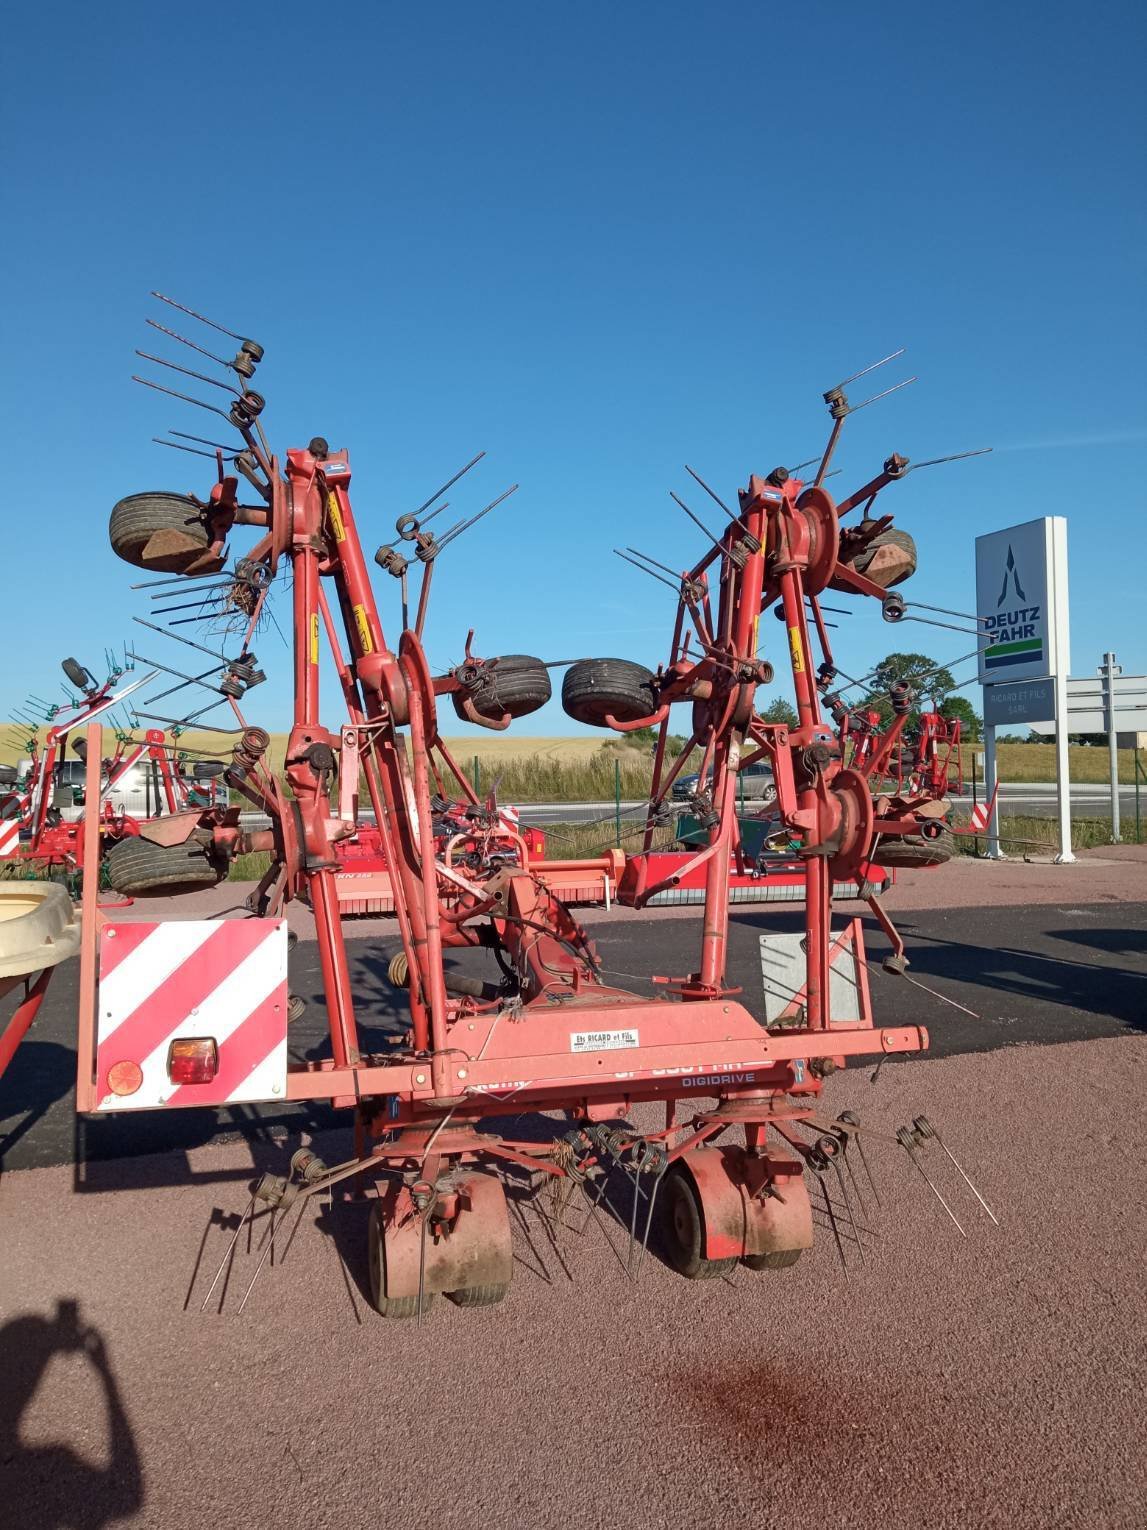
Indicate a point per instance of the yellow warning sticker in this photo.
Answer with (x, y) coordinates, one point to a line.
(796, 648)
(364, 637)
(336, 517)
(314, 637)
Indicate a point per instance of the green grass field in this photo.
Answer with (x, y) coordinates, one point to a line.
(1036, 762)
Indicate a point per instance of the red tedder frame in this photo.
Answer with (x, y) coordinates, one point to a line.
(555, 1035)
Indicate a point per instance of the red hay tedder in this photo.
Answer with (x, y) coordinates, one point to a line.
(195, 1012)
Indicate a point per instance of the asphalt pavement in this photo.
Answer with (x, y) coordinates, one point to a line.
(1037, 799)
(1044, 973)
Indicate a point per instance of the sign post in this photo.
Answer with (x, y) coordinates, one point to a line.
(1021, 607)
(1113, 703)
(1109, 671)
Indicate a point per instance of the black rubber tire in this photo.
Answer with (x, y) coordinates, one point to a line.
(778, 1259)
(136, 519)
(682, 1229)
(518, 684)
(8, 776)
(480, 1296)
(139, 869)
(208, 770)
(76, 673)
(890, 538)
(594, 689)
(387, 1306)
(907, 853)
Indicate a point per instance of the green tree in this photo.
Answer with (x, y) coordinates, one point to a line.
(781, 711)
(971, 726)
(931, 683)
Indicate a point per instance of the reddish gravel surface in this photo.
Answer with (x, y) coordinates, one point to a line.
(993, 1381)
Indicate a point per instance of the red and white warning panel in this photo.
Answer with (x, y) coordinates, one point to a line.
(192, 1012)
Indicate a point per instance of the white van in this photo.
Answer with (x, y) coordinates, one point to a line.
(138, 792)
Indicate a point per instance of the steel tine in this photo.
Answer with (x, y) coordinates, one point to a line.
(203, 319)
(186, 397)
(551, 1236)
(850, 1118)
(876, 397)
(633, 1221)
(227, 1255)
(820, 1165)
(422, 1262)
(864, 371)
(163, 329)
(924, 1128)
(649, 1219)
(697, 521)
(594, 1200)
(179, 447)
(642, 569)
(448, 485)
(908, 1143)
(981, 451)
(830, 1147)
(711, 492)
(269, 1242)
(474, 519)
(231, 449)
(187, 372)
(851, 1171)
(438, 509)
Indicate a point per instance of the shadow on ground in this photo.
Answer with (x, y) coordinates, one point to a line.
(50, 1487)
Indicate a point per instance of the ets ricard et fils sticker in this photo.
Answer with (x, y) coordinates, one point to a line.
(602, 1041)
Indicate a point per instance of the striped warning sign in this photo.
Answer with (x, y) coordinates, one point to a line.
(13, 815)
(221, 981)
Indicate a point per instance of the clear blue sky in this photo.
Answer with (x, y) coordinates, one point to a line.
(599, 241)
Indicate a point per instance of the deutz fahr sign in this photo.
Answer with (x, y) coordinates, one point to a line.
(1021, 601)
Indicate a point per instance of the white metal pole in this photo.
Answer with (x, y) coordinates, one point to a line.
(1110, 670)
(990, 791)
(1063, 772)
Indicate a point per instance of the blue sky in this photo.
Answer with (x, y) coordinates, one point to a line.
(597, 241)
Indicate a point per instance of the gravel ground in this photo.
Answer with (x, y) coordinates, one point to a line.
(996, 1380)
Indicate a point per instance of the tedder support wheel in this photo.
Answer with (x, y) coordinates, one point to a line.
(518, 684)
(889, 558)
(595, 689)
(139, 869)
(683, 1228)
(158, 531)
(388, 1306)
(480, 1296)
(76, 673)
(916, 851)
(777, 1259)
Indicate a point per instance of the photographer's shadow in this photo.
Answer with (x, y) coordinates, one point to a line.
(50, 1487)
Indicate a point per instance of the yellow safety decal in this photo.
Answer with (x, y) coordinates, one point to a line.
(364, 637)
(314, 637)
(336, 518)
(756, 634)
(796, 648)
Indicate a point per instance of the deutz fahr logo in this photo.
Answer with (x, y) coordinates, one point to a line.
(1012, 633)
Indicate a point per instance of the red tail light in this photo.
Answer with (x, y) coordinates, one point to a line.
(193, 1060)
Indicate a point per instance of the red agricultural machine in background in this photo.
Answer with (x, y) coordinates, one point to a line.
(41, 796)
(195, 1012)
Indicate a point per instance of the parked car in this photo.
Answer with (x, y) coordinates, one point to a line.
(755, 782)
(137, 793)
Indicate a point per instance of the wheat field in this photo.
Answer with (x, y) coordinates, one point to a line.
(581, 767)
